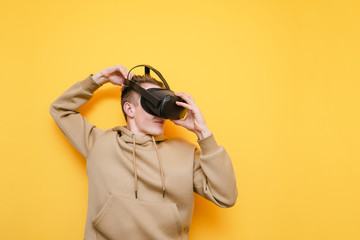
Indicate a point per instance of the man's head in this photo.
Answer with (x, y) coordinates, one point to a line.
(139, 121)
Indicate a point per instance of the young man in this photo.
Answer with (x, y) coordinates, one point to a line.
(140, 183)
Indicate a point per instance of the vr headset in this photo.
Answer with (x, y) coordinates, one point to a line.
(158, 101)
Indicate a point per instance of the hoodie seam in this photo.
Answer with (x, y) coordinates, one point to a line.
(95, 142)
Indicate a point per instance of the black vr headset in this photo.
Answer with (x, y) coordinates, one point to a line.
(158, 101)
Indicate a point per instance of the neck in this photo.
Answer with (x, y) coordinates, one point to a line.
(133, 128)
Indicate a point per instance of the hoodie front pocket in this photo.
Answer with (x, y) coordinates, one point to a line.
(122, 218)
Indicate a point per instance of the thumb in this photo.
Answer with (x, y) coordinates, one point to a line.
(177, 122)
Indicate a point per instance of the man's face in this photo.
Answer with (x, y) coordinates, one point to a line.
(145, 123)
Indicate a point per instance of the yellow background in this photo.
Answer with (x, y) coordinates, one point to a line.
(277, 82)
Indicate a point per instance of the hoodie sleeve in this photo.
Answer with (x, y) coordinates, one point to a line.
(214, 176)
(80, 133)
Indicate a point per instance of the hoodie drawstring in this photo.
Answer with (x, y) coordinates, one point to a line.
(135, 168)
(160, 165)
(161, 168)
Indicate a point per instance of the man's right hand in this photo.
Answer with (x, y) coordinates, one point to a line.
(115, 74)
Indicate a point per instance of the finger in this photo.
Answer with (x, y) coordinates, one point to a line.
(118, 68)
(186, 105)
(123, 71)
(178, 122)
(185, 97)
(188, 95)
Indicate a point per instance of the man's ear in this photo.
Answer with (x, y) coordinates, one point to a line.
(129, 109)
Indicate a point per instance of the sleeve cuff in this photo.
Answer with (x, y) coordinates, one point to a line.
(89, 84)
(208, 144)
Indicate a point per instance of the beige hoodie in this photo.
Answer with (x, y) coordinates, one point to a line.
(141, 187)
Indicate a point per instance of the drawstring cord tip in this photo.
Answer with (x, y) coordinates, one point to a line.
(163, 193)
(136, 194)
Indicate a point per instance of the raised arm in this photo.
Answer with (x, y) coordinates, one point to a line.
(214, 176)
(80, 133)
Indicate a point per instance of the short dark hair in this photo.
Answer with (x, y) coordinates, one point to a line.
(130, 95)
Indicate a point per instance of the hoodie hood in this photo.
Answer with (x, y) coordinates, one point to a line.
(145, 142)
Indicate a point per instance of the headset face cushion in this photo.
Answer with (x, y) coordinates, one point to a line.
(168, 108)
